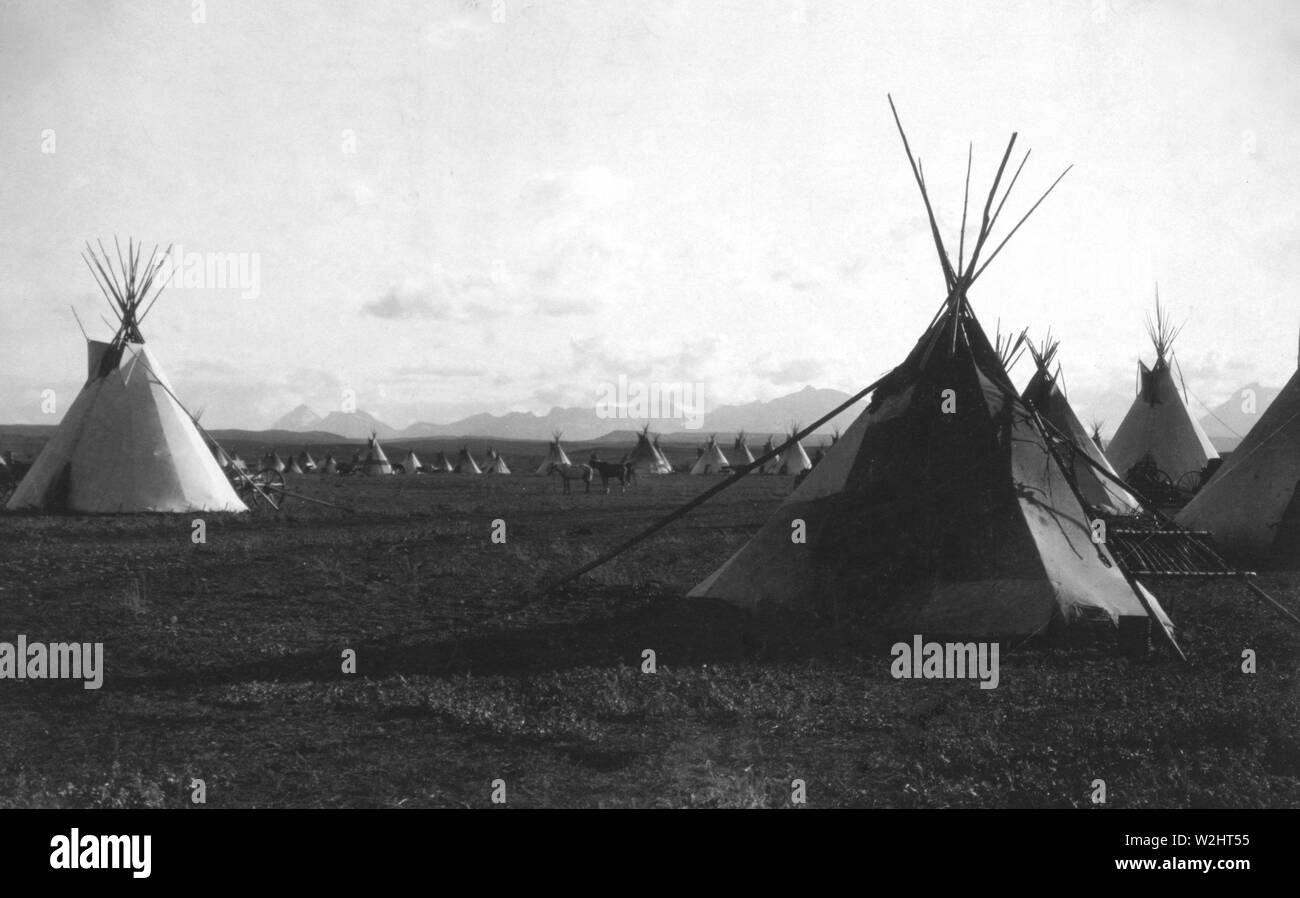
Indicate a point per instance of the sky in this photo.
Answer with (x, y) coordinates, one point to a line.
(502, 205)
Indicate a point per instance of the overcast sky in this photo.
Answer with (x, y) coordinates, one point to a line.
(491, 206)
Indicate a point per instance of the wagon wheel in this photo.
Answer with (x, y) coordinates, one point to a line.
(1189, 484)
(258, 490)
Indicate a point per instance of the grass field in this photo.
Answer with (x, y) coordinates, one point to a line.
(224, 662)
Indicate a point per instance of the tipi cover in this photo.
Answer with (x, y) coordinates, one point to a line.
(305, 461)
(554, 455)
(125, 444)
(465, 463)
(442, 464)
(1044, 394)
(663, 459)
(794, 460)
(495, 463)
(411, 462)
(711, 460)
(741, 450)
(273, 462)
(895, 539)
(1252, 503)
(645, 457)
(1159, 423)
(773, 464)
(328, 464)
(376, 461)
(292, 467)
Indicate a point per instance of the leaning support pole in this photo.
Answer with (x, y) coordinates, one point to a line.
(711, 492)
(1274, 603)
(1083, 504)
(1171, 524)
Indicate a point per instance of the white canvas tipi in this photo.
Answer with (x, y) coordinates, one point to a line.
(495, 464)
(376, 462)
(711, 460)
(645, 457)
(1252, 503)
(126, 444)
(465, 463)
(554, 454)
(794, 460)
(1159, 427)
(741, 450)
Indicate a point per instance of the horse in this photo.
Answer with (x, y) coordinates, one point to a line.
(608, 470)
(571, 472)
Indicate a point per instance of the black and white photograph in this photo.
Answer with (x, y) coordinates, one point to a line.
(650, 404)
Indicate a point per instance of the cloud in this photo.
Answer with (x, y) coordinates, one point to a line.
(464, 297)
(398, 304)
(794, 371)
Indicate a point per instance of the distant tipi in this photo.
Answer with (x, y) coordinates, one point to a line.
(495, 464)
(645, 457)
(711, 460)
(376, 462)
(794, 460)
(465, 463)
(740, 450)
(126, 444)
(555, 454)
(1159, 427)
(411, 462)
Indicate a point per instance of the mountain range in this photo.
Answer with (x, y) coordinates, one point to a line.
(583, 422)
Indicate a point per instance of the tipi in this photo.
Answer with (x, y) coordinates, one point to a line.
(554, 454)
(896, 540)
(328, 465)
(711, 460)
(305, 461)
(292, 466)
(376, 462)
(645, 457)
(1044, 394)
(411, 462)
(1159, 427)
(663, 458)
(773, 464)
(1252, 503)
(495, 463)
(794, 460)
(740, 449)
(273, 462)
(465, 463)
(442, 464)
(126, 444)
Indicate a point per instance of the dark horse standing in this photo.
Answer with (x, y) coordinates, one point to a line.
(608, 470)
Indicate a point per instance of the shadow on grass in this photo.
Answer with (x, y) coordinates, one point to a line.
(680, 632)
